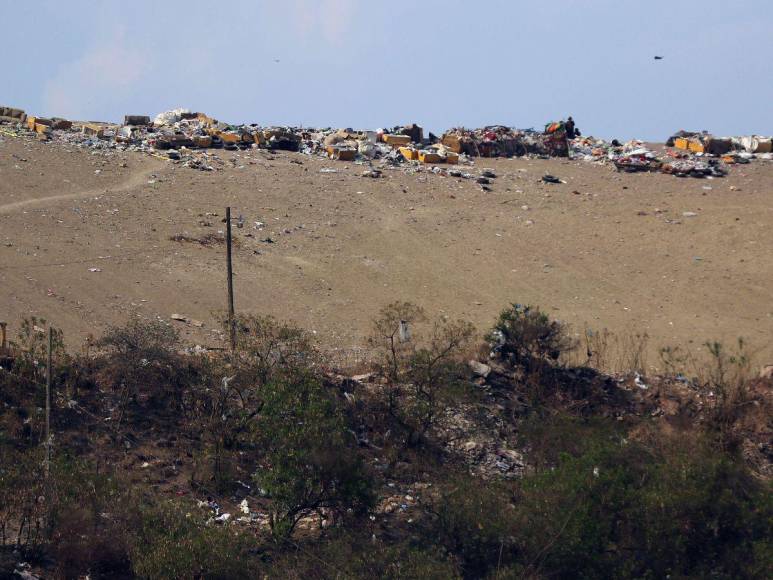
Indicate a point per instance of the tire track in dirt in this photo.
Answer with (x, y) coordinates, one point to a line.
(135, 179)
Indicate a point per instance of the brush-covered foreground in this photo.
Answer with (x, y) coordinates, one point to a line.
(452, 458)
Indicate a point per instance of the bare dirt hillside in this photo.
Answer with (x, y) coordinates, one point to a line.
(604, 250)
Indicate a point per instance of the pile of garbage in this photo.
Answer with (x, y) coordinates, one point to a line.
(500, 141)
(187, 137)
(184, 136)
(684, 156)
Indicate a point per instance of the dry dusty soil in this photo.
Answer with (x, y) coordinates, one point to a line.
(604, 250)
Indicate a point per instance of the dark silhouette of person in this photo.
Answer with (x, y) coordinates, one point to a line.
(571, 130)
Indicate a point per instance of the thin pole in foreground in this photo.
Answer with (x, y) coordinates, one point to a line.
(231, 321)
(48, 397)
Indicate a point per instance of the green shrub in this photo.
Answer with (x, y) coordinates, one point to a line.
(625, 511)
(310, 462)
(525, 336)
(170, 540)
(475, 522)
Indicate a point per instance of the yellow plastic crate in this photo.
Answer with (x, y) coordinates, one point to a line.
(92, 129)
(396, 140)
(409, 153)
(230, 137)
(681, 143)
(32, 121)
(452, 142)
(430, 157)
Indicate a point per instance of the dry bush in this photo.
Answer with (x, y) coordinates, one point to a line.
(727, 377)
(615, 353)
(139, 363)
(422, 365)
(266, 348)
(392, 346)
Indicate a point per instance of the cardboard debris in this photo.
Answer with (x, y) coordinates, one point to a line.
(12, 115)
(186, 137)
(136, 120)
(93, 129)
(396, 140)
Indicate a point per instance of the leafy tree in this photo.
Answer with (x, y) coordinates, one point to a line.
(310, 463)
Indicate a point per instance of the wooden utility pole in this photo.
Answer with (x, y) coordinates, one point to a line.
(48, 397)
(231, 321)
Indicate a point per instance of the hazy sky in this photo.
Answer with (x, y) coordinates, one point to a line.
(368, 64)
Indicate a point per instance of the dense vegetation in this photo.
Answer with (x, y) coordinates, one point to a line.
(268, 462)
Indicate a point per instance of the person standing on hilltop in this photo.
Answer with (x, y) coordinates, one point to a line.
(571, 130)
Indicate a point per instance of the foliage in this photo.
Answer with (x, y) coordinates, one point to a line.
(598, 499)
(526, 336)
(422, 370)
(69, 513)
(727, 379)
(475, 522)
(141, 365)
(33, 347)
(435, 371)
(172, 541)
(151, 339)
(546, 439)
(21, 511)
(229, 396)
(626, 511)
(267, 348)
(309, 462)
(392, 347)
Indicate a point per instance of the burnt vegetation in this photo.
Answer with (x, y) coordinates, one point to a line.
(456, 456)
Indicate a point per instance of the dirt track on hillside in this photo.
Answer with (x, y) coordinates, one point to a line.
(604, 250)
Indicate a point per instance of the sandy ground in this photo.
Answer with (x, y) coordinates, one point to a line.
(604, 250)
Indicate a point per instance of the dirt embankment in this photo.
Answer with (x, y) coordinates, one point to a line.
(85, 242)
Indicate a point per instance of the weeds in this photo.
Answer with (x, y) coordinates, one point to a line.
(600, 497)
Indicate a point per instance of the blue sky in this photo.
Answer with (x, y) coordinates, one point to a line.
(368, 64)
